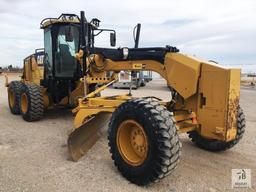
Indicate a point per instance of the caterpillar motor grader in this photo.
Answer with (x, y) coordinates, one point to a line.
(143, 132)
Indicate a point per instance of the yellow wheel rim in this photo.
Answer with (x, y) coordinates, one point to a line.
(11, 96)
(24, 103)
(132, 142)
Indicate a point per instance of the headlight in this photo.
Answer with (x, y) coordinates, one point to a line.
(125, 53)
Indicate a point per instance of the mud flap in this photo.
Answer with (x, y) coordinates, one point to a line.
(84, 137)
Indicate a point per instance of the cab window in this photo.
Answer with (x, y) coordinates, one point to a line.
(66, 48)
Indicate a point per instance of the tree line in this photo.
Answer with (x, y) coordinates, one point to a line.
(10, 68)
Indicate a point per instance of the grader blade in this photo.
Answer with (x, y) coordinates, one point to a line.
(84, 137)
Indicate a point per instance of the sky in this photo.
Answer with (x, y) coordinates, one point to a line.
(219, 30)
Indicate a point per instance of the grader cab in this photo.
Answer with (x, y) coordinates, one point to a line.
(143, 132)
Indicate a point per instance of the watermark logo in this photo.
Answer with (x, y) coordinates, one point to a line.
(241, 178)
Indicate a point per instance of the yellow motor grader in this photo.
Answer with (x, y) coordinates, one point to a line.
(143, 132)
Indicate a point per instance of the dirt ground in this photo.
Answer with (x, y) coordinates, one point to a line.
(34, 157)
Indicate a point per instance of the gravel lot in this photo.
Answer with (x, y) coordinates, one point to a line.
(34, 157)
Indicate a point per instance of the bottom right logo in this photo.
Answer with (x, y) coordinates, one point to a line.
(241, 178)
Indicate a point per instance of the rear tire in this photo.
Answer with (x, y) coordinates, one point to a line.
(31, 103)
(214, 145)
(160, 154)
(14, 89)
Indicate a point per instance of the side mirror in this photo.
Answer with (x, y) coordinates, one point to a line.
(113, 39)
(68, 34)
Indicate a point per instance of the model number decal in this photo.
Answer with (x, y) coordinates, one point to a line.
(138, 66)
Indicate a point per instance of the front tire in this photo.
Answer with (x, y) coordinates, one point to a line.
(143, 141)
(214, 145)
(31, 103)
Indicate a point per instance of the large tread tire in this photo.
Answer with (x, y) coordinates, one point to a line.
(14, 89)
(164, 146)
(35, 101)
(215, 146)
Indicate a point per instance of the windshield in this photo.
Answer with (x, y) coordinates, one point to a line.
(67, 47)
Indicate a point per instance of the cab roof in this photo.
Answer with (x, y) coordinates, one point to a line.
(63, 18)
